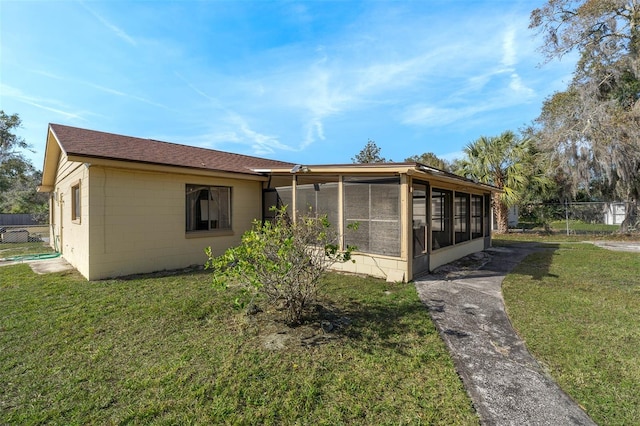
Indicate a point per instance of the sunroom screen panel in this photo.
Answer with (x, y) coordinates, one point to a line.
(305, 200)
(358, 237)
(385, 237)
(374, 204)
(318, 199)
(285, 197)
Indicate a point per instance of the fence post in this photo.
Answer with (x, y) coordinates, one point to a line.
(566, 214)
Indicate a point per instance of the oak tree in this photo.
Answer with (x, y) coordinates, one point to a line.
(18, 177)
(592, 129)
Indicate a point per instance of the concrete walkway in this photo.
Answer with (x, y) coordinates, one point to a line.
(632, 247)
(42, 266)
(506, 384)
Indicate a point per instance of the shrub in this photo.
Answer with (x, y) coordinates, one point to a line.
(281, 260)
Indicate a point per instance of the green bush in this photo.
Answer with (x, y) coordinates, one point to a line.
(281, 260)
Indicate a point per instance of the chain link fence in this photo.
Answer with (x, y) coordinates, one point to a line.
(596, 218)
(10, 234)
(23, 228)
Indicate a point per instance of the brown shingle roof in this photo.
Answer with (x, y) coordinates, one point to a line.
(91, 143)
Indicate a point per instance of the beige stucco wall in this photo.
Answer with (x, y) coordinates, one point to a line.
(397, 269)
(134, 221)
(68, 236)
(449, 254)
(138, 221)
(375, 266)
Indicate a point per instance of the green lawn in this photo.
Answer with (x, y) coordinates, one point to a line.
(578, 308)
(539, 236)
(172, 350)
(22, 249)
(577, 228)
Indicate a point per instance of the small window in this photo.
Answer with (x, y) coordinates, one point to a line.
(208, 208)
(75, 203)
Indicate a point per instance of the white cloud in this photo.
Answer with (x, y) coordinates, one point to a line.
(282, 77)
(65, 114)
(520, 89)
(195, 89)
(111, 27)
(509, 57)
(102, 89)
(261, 143)
(431, 116)
(314, 132)
(48, 74)
(365, 70)
(384, 75)
(38, 102)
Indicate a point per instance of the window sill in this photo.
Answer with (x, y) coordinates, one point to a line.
(76, 221)
(205, 234)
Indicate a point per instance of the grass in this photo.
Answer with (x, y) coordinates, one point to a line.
(172, 350)
(579, 227)
(576, 228)
(577, 307)
(541, 237)
(21, 249)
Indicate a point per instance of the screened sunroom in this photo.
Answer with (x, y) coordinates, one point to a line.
(410, 218)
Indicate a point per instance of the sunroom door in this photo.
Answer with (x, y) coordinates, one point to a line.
(420, 230)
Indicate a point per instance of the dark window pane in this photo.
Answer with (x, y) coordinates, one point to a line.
(207, 207)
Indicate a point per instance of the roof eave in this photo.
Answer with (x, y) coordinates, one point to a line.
(155, 167)
(441, 176)
(53, 150)
(411, 169)
(387, 168)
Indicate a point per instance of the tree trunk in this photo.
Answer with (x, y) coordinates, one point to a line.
(502, 214)
(631, 217)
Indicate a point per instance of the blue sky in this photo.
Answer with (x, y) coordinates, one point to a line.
(306, 82)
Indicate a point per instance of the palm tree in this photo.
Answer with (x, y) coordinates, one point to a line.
(506, 162)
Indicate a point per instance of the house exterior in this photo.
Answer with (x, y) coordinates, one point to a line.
(121, 205)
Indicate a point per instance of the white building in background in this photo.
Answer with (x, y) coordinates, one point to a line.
(614, 213)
